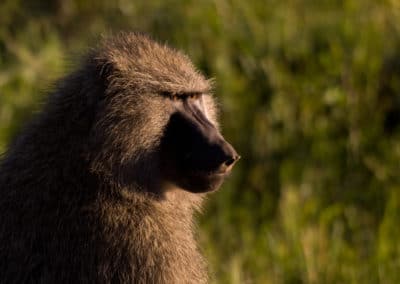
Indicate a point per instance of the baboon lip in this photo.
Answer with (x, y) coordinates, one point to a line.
(221, 174)
(218, 174)
(197, 181)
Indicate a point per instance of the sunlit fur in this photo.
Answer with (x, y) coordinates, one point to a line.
(81, 194)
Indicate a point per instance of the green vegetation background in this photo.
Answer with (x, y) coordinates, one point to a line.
(310, 96)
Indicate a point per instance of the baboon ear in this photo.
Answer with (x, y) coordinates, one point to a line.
(105, 69)
(96, 73)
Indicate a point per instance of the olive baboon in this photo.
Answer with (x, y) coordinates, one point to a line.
(101, 186)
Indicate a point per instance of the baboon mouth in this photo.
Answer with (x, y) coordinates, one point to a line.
(198, 182)
(210, 175)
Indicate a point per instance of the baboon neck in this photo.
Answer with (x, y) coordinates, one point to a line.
(156, 235)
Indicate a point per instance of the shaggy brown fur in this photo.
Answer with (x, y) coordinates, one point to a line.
(81, 198)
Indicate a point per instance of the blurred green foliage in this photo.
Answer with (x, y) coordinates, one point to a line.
(310, 97)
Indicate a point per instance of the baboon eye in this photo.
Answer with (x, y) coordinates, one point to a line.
(194, 96)
(180, 96)
(170, 95)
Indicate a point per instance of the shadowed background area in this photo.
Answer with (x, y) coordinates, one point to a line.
(310, 98)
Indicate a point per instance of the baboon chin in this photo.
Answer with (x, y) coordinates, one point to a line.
(80, 187)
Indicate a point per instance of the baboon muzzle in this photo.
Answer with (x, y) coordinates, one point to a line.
(195, 145)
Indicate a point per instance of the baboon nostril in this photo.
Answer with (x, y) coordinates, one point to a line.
(228, 164)
(230, 161)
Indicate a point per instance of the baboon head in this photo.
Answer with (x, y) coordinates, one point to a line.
(156, 121)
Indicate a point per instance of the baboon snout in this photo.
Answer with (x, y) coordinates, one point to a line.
(197, 146)
(226, 158)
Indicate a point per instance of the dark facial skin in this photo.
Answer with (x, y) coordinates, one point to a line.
(195, 156)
